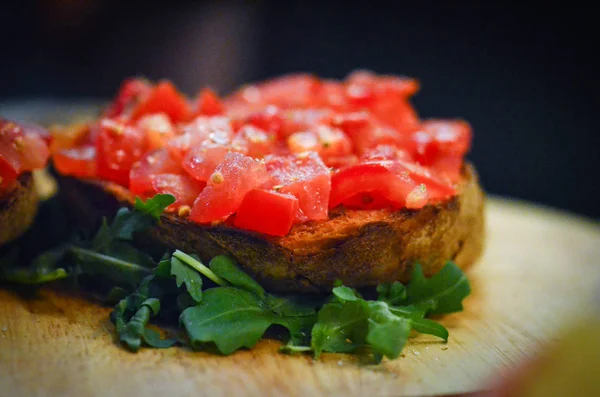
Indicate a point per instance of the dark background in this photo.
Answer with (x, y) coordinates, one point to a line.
(523, 76)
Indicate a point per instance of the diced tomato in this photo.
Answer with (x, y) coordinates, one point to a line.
(331, 95)
(374, 176)
(267, 211)
(294, 90)
(79, 161)
(365, 132)
(306, 177)
(268, 120)
(118, 147)
(386, 152)
(297, 120)
(254, 141)
(303, 141)
(209, 103)
(442, 137)
(20, 151)
(401, 86)
(132, 92)
(164, 98)
(201, 161)
(158, 129)
(325, 140)
(216, 129)
(441, 145)
(226, 188)
(182, 187)
(151, 164)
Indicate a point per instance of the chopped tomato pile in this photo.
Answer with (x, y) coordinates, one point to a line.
(23, 148)
(273, 154)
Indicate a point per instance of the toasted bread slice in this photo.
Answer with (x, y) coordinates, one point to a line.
(361, 248)
(18, 206)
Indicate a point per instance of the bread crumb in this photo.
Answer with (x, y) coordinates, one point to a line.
(445, 348)
(4, 328)
(416, 353)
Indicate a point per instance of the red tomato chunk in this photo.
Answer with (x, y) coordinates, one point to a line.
(226, 188)
(267, 211)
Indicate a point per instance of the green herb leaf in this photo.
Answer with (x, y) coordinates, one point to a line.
(345, 293)
(430, 327)
(231, 318)
(199, 266)
(154, 206)
(127, 222)
(185, 274)
(120, 271)
(341, 327)
(152, 338)
(31, 275)
(392, 293)
(387, 333)
(445, 291)
(226, 268)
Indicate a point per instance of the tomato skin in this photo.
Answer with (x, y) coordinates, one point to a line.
(306, 177)
(151, 164)
(267, 211)
(164, 98)
(226, 188)
(182, 187)
(79, 162)
(118, 147)
(367, 177)
(209, 103)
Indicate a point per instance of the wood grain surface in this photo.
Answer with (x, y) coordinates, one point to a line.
(540, 268)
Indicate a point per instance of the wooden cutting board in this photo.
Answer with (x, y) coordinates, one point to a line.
(539, 268)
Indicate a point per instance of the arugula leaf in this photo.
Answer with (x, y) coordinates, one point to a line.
(387, 333)
(392, 293)
(341, 327)
(32, 275)
(234, 318)
(226, 268)
(127, 222)
(185, 274)
(345, 293)
(430, 327)
(154, 206)
(229, 317)
(120, 271)
(199, 266)
(445, 291)
(132, 332)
